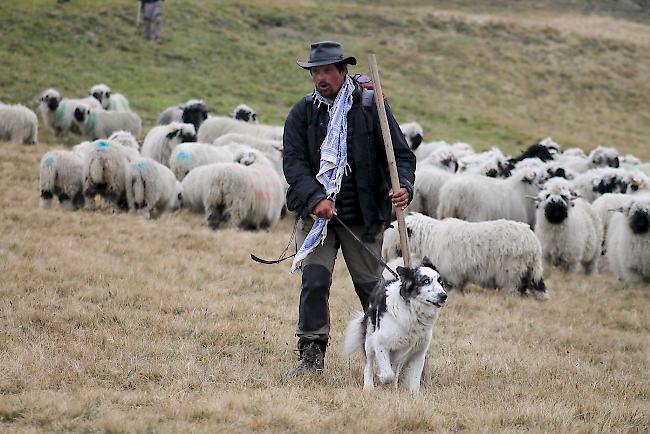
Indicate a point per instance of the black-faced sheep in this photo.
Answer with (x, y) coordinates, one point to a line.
(100, 124)
(568, 228)
(194, 112)
(109, 100)
(628, 241)
(161, 140)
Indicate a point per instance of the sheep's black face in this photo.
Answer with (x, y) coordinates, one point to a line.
(614, 162)
(556, 211)
(492, 173)
(640, 222)
(194, 116)
(416, 141)
(559, 173)
(79, 114)
(244, 115)
(52, 103)
(188, 137)
(97, 96)
(505, 169)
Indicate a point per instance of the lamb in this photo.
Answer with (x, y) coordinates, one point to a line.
(125, 138)
(237, 195)
(568, 228)
(194, 111)
(161, 140)
(61, 175)
(187, 156)
(413, 134)
(104, 173)
(100, 124)
(58, 113)
(495, 254)
(478, 198)
(628, 242)
(217, 126)
(151, 188)
(109, 100)
(18, 124)
(244, 113)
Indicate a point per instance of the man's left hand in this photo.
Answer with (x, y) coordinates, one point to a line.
(400, 199)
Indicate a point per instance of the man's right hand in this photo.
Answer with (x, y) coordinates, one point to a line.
(324, 209)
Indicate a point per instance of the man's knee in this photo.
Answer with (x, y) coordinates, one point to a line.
(314, 295)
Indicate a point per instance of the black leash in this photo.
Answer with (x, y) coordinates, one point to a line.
(347, 228)
(374, 255)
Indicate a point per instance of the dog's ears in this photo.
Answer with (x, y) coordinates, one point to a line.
(426, 262)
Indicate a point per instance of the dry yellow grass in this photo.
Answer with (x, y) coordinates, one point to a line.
(116, 324)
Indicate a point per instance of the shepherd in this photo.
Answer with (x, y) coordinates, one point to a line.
(336, 166)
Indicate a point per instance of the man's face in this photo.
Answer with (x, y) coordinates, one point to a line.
(328, 79)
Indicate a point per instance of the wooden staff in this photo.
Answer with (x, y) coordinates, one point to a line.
(390, 156)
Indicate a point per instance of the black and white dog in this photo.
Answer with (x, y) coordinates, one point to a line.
(396, 329)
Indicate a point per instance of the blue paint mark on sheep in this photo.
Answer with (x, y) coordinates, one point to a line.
(141, 165)
(183, 156)
(102, 144)
(49, 161)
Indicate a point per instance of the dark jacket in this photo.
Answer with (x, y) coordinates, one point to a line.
(304, 131)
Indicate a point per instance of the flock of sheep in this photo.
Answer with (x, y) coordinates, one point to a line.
(482, 217)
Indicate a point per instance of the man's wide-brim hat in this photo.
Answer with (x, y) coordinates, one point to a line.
(326, 53)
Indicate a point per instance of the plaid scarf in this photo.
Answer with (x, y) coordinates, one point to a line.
(333, 159)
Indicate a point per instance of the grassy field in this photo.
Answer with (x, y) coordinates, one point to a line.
(109, 323)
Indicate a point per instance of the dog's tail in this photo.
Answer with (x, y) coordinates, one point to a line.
(354, 336)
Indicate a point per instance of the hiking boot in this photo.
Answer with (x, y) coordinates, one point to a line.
(312, 359)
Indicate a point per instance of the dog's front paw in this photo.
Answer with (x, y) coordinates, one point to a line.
(386, 377)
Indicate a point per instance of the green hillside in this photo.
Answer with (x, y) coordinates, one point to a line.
(488, 75)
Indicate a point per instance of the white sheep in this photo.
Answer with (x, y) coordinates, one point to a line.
(479, 198)
(413, 133)
(100, 124)
(429, 180)
(495, 254)
(187, 156)
(459, 150)
(151, 188)
(606, 205)
(61, 175)
(568, 228)
(594, 183)
(271, 148)
(109, 100)
(125, 138)
(628, 241)
(58, 112)
(490, 163)
(104, 172)
(237, 195)
(599, 157)
(18, 124)
(244, 113)
(194, 112)
(217, 126)
(161, 140)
